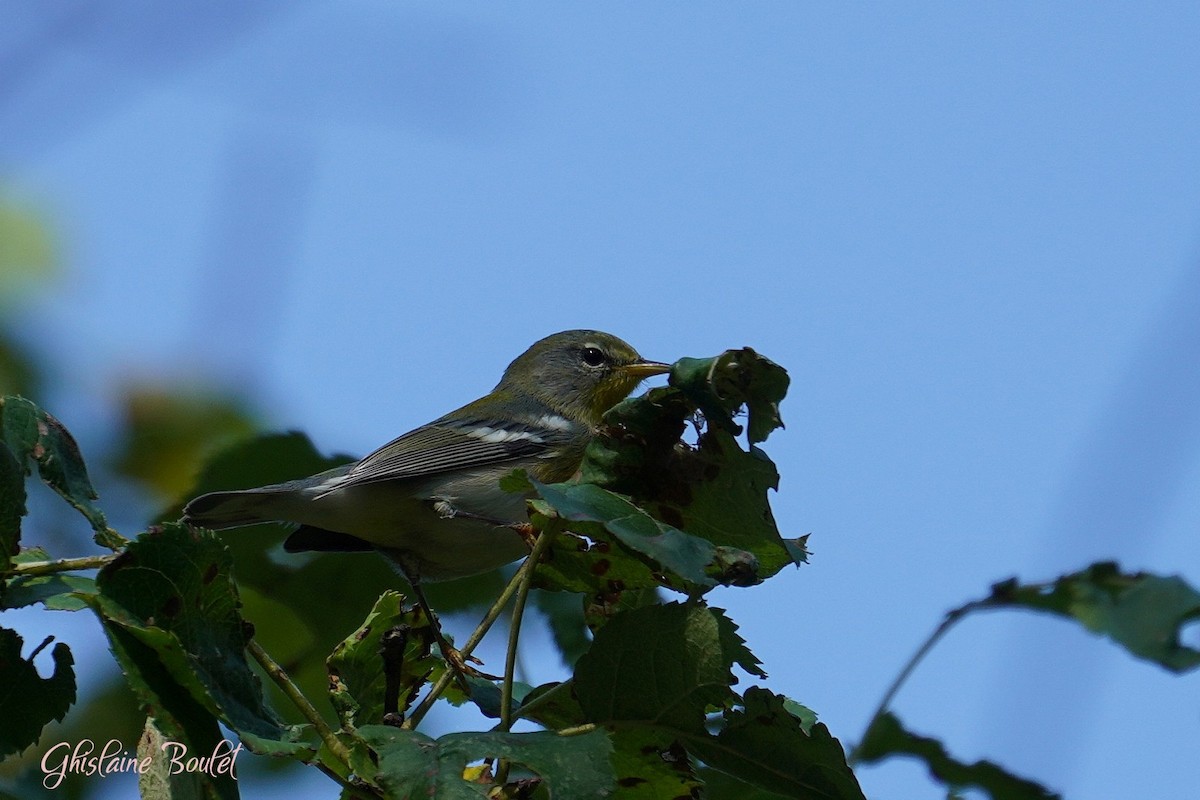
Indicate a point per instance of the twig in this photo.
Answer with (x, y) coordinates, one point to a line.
(476, 637)
(277, 674)
(62, 565)
(951, 619)
(351, 789)
(514, 630)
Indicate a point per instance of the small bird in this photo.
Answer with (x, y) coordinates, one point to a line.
(430, 500)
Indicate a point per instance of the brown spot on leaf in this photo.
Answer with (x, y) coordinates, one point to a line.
(616, 586)
(601, 566)
(631, 781)
(210, 574)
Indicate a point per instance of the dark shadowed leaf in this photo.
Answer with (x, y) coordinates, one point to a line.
(765, 745)
(564, 614)
(12, 508)
(28, 701)
(31, 433)
(171, 593)
(414, 765)
(664, 664)
(58, 592)
(1143, 613)
(888, 738)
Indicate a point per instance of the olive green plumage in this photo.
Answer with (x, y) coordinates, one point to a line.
(430, 499)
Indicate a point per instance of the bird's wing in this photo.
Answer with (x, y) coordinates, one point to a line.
(441, 447)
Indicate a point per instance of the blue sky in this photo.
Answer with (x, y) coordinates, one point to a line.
(969, 231)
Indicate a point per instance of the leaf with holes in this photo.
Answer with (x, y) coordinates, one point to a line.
(31, 433)
(1143, 613)
(765, 745)
(412, 764)
(888, 737)
(715, 490)
(169, 597)
(357, 673)
(28, 701)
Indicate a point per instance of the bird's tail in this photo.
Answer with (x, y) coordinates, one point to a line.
(219, 510)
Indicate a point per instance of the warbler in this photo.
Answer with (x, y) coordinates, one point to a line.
(430, 500)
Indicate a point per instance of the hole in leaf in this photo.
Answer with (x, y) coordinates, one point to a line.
(1189, 634)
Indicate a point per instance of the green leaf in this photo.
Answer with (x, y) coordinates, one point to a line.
(888, 737)
(723, 786)
(171, 593)
(176, 712)
(587, 559)
(721, 385)
(12, 508)
(162, 781)
(31, 433)
(715, 490)
(697, 562)
(665, 664)
(19, 373)
(650, 764)
(1143, 613)
(414, 765)
(564, 614)
(27, 701)
(765, 745)
(169, 432)
(58, 592)
(357, 678)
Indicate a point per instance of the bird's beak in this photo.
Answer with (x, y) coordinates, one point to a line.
(644, 369)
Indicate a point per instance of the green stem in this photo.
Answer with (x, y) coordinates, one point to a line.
(62, 565)
(476, 637)
(277, 674)
(949, 622)
(514, 631)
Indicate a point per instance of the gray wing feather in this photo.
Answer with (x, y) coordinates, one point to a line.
(436, 448)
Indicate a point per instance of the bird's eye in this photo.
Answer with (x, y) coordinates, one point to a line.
(593, 356)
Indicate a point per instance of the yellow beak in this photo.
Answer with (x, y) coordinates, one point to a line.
(644, 369)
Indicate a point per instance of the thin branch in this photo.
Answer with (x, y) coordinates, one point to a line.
(951, 619)
(62, 565)
(277, 674)
(514, 630)
(476, 637)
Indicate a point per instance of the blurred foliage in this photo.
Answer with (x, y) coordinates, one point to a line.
(169, 433)
(28, 256)
(28, 260)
